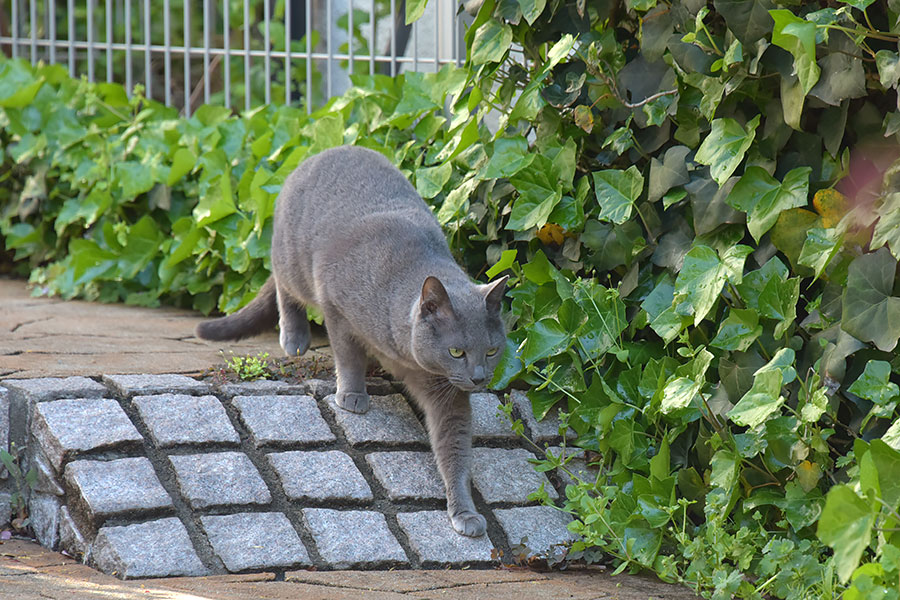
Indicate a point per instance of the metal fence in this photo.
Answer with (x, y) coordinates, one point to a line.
(232, 52)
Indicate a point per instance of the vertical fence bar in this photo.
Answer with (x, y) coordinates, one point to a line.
(393, 37)
(437, 36)
(246, 54)
(206, 73)
(51, 9)
(267, 40)
(287, 51)
(71, 19)
(109, 42)
(129, 84)
(308, 35)
(15, 28)
(415, 37)
(226, 37)
(90, 39)
(167, 52)
(350, 36)
(148, 75)
(328, 49)
(372, 43)
(187, 58)
(32, 22)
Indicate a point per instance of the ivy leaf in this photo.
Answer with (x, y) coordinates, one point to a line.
(888, 64)
(887, 229)
(510, 156)
(431, 180)
(725, 470)
(539, 193)
(869, 312)
(842, 73)
(668, 173)
(874, 384)
(887, 465)
(491, 42)
(532, 9)
(763, 399)
(748, 20)
(798, 37)
(663, 319)
(545, 338)
(725, 146)
(738, 331)
(414, 10)
(820, 247)
(846, 525)
(617, 192)
(700, 282)
(144, 238)
(763, 198)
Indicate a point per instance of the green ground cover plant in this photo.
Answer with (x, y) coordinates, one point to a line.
(698, 204)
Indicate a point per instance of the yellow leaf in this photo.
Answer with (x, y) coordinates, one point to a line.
(831, 205)
(808, 475)
(551, 233)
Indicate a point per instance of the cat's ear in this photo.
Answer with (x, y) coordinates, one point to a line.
(435, 300)
(494, 294)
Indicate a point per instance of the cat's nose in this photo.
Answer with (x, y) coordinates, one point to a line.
(478, 380)
(478, 375)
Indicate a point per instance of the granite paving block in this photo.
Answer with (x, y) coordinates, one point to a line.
(545, 430)
(65, 428)
(175, 419)
(255, 541)
(4, 427)
(487, 420)
(353, 538)
(43, 515)
(389, 421)
(262, 387)
(46, 479)
(407, 475)
(503, 475)
(71, 539)
(159, 548)
(53, 388)
(5, 508)
(577, 465)
(219, 479)
(543, 526)
(320, 388)
(278, 420)
(147, 385)
(110, 488)
(434, 541)
(321, 476)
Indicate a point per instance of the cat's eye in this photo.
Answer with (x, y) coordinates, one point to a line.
(491, 351)
(456, 353)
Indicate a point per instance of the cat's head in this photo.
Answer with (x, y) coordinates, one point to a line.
(459, 335)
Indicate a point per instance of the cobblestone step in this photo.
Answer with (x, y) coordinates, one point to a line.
(165, 475)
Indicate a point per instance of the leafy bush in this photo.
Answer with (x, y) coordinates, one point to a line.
(699, 208)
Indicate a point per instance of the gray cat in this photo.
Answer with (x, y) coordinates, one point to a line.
(353, 237)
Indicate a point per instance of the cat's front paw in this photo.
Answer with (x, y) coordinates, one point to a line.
(353, 401)
(470, 524)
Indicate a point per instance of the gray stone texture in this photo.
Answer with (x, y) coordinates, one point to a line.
(503, 475)
(353, 538)
(320, 476)
(487, 420)
(545, 430)
(543, 526)
(71, 539)
(262, 387)
(66, 428)
(255, 541)
(109, 488)
(577, 465)
(4, 426)
(5, 508)
(175, 419)
(320, 388)
(219, 479)
(46, 479)
(389, 421)
(159, 548)
(279, 420)
(433, 539)
(407, 475)
(147, 385)
(43, 514)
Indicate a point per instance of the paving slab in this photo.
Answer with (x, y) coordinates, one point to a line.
(434, 541)
(255, 541)
(65, 428)
(488, 423)
(505, 475)
(219, 479)
(541, 529)
(159, 548)
(353, 538)
(320, 476)
(263, 387)
(109, 488)
(407, 475)
(283, 420)
(175, 419)
(389, 421)
(43, 512)
(151, 384)
(545, 431)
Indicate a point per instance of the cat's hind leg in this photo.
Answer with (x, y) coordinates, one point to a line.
(294, 334)
(350, 361)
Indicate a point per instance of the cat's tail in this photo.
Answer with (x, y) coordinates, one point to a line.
(258, 316)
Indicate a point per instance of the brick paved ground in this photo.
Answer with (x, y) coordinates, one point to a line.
(166, 475)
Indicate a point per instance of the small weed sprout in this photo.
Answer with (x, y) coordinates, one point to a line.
(249, 368)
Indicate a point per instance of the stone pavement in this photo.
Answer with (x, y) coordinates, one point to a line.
(163, 475)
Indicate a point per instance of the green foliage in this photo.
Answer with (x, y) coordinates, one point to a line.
(22, 481)
(249, 368)
(703, 265)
